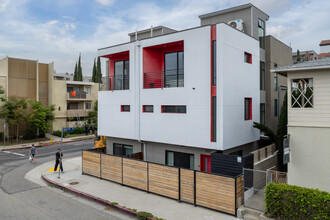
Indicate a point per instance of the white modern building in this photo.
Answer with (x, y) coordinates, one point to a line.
(180, 96)
(309, 122)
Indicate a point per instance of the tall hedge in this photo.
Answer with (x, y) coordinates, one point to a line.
(294, 202)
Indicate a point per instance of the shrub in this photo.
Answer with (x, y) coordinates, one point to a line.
(58, 133)
(294, 202)
(144, 215)
(30, 133)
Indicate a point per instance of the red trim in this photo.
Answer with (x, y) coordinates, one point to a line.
(202, 162)
(249, 57)
(213, 88)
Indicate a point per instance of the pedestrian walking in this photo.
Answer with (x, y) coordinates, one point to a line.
(32, 153)
(58, 161)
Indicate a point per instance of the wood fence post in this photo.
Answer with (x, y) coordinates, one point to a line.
(148, 177)
(236, 196)
(179, 187)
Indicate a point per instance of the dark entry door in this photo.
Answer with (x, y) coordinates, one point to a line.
(206, 163)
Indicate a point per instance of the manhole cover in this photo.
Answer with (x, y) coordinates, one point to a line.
(74, 183)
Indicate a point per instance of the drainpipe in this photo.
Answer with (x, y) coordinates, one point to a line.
(137, 70)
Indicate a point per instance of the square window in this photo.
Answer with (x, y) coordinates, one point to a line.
(302, 93)
(247, 57)
(125, 108)
(248, 108)
(148, 108)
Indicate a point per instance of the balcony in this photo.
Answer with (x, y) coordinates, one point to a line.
(163, 79)
(76, 113)
(79, 96)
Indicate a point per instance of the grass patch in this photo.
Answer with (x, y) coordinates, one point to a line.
(114, 203)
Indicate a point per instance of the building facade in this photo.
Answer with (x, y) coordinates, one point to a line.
(324, 49)
(177, 97)
(303, 56)
(72, 100)
(26, 79)
(309, 123)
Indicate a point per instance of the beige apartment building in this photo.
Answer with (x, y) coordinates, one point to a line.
(72, 100)
(308, 122)
(32, 80)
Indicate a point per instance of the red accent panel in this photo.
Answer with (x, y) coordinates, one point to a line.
(112, 59)
(153, 62)
(213, 88)
(249, 57)
(204, 157)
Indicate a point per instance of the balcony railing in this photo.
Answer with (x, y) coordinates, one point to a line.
(79, 95)
(163, 79)
(118, 83)
(76, 113)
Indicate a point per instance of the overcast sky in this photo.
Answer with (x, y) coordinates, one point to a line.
(58, 30)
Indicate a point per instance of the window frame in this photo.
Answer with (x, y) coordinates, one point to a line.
(178, 70)
(191, 163)
(89, 106)
(261, 26)
(247, 57)
(124, 85)
(275, 107)
(122, 146)
(262, 76)
(262, 113)
(275, 81)
(302, 101)
(248, 114)
(122, 108)
(176, 108)
(144, 108)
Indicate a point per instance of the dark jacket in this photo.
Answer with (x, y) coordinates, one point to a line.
(58, 155)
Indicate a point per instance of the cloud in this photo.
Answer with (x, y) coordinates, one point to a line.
(4, 4)
(106, 2)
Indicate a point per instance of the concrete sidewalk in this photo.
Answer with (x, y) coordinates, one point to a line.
(55, 140)
(106, 191)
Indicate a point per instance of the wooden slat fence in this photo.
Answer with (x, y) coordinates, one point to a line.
(214, 191)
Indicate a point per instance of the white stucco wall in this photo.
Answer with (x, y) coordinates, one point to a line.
(235, 80)
(309, 157)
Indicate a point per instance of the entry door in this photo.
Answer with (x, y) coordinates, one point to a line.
(206, 163)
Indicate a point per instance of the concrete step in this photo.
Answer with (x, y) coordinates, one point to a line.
(252, 212)
(250, 217)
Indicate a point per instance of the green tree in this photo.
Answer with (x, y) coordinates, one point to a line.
(80, 76)
(277, 137)
(98, 71)
(93, 114)
(75, 75)
(94, 73)
(39, 116)
(13, 111)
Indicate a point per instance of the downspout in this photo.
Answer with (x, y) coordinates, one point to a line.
(137, 70)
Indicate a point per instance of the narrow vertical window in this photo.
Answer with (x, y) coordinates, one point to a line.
(261, 33)
(275, 107)
(248, 108)
(262, 76)
(214, 119)
(275, 81)
(214, 63)
(262, 113)
(121, 75)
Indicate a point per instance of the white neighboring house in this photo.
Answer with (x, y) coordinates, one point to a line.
(178, 97)
(309, 123)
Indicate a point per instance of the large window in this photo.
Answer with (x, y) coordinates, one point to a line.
(179, 159)
(302, 93)
(248, 108)
(261, 33)
(174, 109)
(173, 74)
(122, 149)
(262, 76)
(122, 75)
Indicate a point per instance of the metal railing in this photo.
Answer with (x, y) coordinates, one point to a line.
(77, 95)
(118, 83)
(163, 79)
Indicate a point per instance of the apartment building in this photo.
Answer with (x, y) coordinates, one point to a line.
(324, 49)
(28, 79)
(72, 100)
(170, 98)
(252, 21)
(302, 56)
(308, 122)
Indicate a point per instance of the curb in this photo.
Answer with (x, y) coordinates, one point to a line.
(90, 197)
(45, 145)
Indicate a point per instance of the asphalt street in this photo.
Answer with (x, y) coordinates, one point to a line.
(23, 199)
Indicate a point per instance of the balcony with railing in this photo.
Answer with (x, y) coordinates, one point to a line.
(79, 96)
(76, 113)
(163, 79)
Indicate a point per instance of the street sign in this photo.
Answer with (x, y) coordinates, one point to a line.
(286, 150)
(68, 129)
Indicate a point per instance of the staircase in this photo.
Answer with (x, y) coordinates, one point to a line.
(250, 214)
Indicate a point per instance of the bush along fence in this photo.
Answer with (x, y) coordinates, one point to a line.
(214, 191)
(294, 202)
